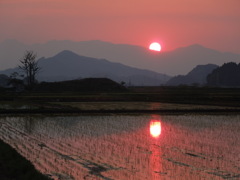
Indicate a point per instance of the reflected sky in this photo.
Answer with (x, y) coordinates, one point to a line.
(128, 146)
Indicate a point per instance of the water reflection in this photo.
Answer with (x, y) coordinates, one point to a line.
(155, 158)
(155, 128)
(127, 147)
(29, 125)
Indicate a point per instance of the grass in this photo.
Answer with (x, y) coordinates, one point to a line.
(13, 166)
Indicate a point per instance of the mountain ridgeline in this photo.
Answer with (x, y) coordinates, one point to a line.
(228, 75)
(67, 65)
(198, 76)
(174, 62)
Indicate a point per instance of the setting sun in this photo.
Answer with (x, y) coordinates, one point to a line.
(155, 46)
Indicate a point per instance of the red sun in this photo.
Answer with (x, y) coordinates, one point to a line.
(155, 46)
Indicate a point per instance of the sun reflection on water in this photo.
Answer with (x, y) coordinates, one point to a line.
(130, 147)
(155, 158)
(155, 128)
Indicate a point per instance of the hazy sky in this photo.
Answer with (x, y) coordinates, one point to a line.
(174, 23)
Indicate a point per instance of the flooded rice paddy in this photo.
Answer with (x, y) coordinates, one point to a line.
(128, 147)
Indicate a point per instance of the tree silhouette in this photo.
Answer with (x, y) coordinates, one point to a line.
(30, 67)
(228, 75)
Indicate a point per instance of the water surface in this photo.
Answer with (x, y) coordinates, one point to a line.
(123, 147)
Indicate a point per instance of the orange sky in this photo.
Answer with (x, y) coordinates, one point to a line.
(174, 23)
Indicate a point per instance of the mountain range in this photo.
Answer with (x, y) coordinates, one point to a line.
(197, 76)
(178, 61)
(227, 75)
(67, 65)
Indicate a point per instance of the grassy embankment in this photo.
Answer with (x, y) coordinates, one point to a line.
(15, 167)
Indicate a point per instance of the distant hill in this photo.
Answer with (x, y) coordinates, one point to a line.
(67, 65)
(228, 75)
(197, 76)
(83, 85)
(178, 61)
(4, 80)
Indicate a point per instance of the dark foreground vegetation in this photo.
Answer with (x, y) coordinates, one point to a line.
(191, 95)
(228, 75)
(106, 90)
(81, 85)
(15, 167)
(53, 97)
(55, 101)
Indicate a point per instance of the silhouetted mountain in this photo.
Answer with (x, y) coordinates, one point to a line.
(67, 66)
(4, 80)
(179, 61)
(83, 85)
(195, 77)
(228, 75)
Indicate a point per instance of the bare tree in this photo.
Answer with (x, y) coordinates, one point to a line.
(30, 67)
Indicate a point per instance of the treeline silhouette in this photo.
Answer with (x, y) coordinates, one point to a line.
(228, 75)
(82, 85)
